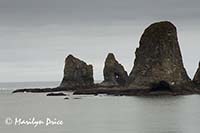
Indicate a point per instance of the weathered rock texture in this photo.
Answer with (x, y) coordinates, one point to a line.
(77, 73)
(158, 58)
(197, 76)
(114, 73)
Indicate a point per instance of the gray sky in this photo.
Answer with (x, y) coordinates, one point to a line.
(37, 35)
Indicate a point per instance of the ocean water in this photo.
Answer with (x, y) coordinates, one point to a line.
(98, 114)
(20, 85)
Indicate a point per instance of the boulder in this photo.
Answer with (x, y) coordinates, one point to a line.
(196, 78)
(158, 58)
(77, 74)
(114, 73)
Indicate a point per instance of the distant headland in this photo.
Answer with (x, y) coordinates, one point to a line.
(158, 70)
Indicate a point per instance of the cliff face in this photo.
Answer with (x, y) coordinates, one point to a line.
(158, 58)
(114, 73)
(77, 73)
(196, 79)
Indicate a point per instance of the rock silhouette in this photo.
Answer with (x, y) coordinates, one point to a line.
(158, 58)
(77, 73)
(114, 73)
(196, 79)
(158, 70)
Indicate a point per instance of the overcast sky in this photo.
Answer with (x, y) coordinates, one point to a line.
(37, 35)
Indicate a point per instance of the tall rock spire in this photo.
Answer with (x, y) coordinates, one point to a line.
(114, 73)
(77, 73)
(158, 57)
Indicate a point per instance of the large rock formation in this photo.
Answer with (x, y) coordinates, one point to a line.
(77, 74)
(158, 70)
(114, 73)
(196, 79)
(158, 58)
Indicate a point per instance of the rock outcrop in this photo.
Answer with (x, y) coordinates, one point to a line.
(158, 70)
(196, 79)
(114, 73)
(77, 74)
(158, 58)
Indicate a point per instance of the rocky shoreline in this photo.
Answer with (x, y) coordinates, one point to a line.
(158, 70)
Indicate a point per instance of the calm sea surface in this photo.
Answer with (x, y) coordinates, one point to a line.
(97, 114)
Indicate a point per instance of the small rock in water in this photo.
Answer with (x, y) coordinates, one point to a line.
(76, 98)
(56, 94)
(66, 98)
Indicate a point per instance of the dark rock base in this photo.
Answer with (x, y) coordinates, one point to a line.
(121, 91)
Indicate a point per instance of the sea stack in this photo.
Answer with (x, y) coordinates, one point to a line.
(77, 74)
(114, 73)
(196, 79)
(158, 58)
